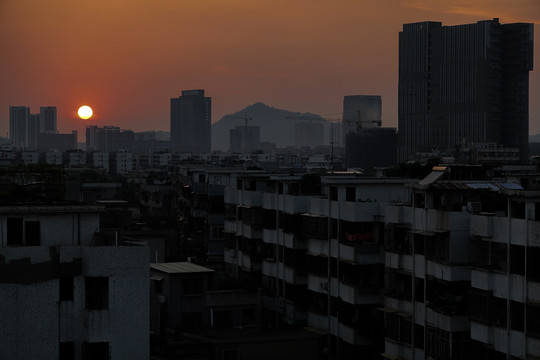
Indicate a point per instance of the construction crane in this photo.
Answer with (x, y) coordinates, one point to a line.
(246, 119)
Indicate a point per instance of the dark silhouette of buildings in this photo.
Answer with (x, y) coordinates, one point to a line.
(464, 84)
(369, 148)
(190, 122)
(244, 138)
(109, 138)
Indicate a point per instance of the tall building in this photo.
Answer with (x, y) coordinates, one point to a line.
(18, 125)
(244, 138)
(109, 138)
(47, 119)
(464, 84)
(369, 148)
(360, 111)
(190, 122)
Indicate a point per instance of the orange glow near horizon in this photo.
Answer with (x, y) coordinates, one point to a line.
(302, 55)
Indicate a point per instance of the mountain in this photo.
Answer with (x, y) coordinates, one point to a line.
(273, 123)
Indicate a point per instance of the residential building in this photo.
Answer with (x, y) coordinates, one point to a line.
(61, 142)
(19, 117)
(460, 279)
(244, 138)
(66, 294)
(191, 116)
(109, 138)
(315, 245)
(47, 120)
(463, 84)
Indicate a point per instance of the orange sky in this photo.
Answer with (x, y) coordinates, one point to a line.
(127, 58)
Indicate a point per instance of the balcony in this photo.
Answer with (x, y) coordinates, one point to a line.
(482, 225)
(448, 323)
(360, 253)
(229, 196)
(399, 261)
(319, 283)
(249, 198)
(269, 201)
(318, 206)
(498, 284)
(320, 247)
(355, 294)
(269, 236)
(293, 242)
(355, 211)
(295, 204)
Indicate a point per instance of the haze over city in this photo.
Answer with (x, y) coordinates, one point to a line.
(128, 58)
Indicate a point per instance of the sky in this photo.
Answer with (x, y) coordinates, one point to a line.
(127, 58)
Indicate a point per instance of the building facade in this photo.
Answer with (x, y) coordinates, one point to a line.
(463, 84)
(63, 293)
(360, 111)
(244, 138)
(191, 117)
(47, 120)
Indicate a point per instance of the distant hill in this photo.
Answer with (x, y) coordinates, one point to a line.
(273, 123)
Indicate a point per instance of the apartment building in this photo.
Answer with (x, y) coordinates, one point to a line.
(460, 279)
(65, 293)
(315, 245)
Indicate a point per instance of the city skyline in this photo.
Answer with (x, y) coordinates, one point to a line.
(120, 59)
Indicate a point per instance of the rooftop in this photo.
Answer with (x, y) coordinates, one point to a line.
(179, 268)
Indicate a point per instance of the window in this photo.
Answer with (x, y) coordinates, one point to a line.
(350, 193)
(96, 351)
(97, 293)
(14, 231)
(66, 288)
(66, 350)
(31, 233)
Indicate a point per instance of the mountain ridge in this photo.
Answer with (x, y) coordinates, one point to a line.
(273, 123)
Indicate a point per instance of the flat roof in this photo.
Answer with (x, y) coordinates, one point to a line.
(179, 268)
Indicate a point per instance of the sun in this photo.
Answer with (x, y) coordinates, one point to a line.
(85, 112)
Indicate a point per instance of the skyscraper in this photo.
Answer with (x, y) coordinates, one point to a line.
(47, 116)
(360, 110)
(190, 122)
(19, 117)
(464, 84)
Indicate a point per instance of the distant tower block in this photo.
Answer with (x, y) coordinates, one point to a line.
(191, 118)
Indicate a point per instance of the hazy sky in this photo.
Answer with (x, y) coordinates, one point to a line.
(127, 58)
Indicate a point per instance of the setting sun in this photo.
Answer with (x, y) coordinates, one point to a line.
(85, 112)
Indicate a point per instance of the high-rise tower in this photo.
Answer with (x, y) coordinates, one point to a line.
(191, 122)
(464, 84)
(47, 123)
(19, 117)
